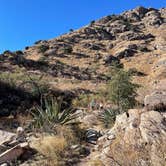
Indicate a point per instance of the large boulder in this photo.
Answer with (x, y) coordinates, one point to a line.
(157, 99)
(137, 138)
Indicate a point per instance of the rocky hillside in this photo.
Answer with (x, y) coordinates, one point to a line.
(77, 64)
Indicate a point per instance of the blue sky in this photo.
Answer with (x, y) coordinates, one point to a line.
(22, 22)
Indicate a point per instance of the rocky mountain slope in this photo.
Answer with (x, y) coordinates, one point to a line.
(83, 56)
(78, 63)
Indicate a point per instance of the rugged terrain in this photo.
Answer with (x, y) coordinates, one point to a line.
(76, 66)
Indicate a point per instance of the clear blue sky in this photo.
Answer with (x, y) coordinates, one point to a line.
(22, 22)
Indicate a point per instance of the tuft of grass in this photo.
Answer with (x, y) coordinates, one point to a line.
(52, 148)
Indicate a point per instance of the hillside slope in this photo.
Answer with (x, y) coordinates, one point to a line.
(77, 67)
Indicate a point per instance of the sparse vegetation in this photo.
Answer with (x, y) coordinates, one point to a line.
(108, 117)
(53, 148)
(66, 93)
(68, 50)
(43, 48)
(50, 113)
(122, 91)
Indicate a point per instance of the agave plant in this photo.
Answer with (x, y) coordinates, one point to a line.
(50, 113)
(108, 117)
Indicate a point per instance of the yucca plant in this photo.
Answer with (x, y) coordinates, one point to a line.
(108, 117)
(50, 113)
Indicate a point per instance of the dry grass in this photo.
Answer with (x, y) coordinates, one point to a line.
(51, 147)
(54, 147)
(96, 162)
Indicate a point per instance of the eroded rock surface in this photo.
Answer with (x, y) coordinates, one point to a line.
(137, 138)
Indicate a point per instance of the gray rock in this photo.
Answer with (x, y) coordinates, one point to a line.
(135, 134)
(156, 101)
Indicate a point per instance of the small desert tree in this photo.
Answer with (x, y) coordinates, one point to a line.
(122, 91)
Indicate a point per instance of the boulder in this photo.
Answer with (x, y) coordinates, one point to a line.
(157, 99)
(137, 138)
(12, 145)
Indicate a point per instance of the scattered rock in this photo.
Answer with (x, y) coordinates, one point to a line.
(153, 18)
(136, 36)
(12, 145)
(110, 59)
(125, 53)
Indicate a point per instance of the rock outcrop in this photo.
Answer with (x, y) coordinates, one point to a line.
(137, 138)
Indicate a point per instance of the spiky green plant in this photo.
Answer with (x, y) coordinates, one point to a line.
(108, 117)
(50, 113)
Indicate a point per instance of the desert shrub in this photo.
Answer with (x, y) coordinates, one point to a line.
(81, 101)
(108, 117)
(36, 86)
(92, 22)
(27, 47)
(43, 48)
(52, 148)
(122, 91)
(7, 52)
(9, 78)
(38, 41)
(135, 72)
(42, 59)
(49, 113)
(19, 52)
(85, 100)
(68, 50)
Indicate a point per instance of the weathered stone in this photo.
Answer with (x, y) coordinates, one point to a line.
(157, 100)
(131, 138)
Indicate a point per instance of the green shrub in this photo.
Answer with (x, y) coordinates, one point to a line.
(36, 86)
(68, 50)
(19, 52)
(43, 48)
(43, 59)
(108, 117)
(122, 91)
(50, 113)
